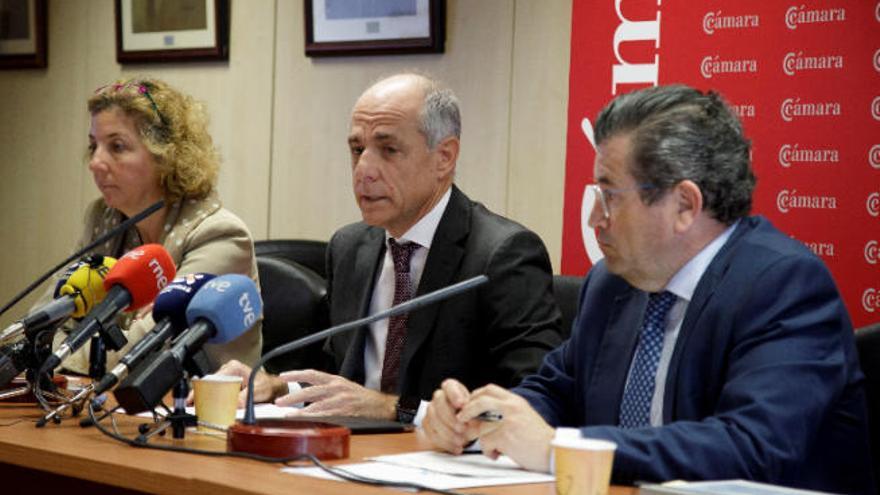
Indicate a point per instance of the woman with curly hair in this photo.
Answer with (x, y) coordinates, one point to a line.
(147, 142)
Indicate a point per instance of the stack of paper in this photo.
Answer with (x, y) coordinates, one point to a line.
(727, 487)
(436, 470)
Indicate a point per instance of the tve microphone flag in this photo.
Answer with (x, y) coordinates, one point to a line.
(221, 311)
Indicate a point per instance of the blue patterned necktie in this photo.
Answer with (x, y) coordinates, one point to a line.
(635, 408)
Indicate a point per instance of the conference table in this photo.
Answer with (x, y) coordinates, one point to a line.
(72, 459)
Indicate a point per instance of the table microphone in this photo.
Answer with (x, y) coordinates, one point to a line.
(77, 291)
(132, 283)
(169, 313)
(405, 307)
(293, 438)
(221, 311)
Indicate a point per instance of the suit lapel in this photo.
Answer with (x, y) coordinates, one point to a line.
(368, 259)
(441, 267)
(702, 295)
(611, 367)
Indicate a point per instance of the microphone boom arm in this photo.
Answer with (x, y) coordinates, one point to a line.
(412, 304)
(112, 233)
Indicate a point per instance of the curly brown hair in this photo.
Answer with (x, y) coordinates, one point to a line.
(174, 128)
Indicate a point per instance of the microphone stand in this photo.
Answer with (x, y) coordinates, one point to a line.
(97, 358)
(283, 439)
(179, 419)
(55, 414)
(109, 335)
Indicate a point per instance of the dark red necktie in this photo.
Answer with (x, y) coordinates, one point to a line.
(400, 254)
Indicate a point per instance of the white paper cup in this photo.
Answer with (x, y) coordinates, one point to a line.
(583, 465)
(216, 398)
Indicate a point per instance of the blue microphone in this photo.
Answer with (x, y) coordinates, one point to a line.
(169, 313)
(221, 311)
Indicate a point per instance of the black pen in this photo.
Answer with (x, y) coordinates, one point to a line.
(489, 416)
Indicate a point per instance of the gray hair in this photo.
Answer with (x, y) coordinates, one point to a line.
(679, 133)
(440, 117)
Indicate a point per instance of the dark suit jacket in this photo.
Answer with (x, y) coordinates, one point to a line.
(764, 382)
(498, 333)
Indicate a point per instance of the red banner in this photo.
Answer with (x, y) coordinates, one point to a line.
(804, 77)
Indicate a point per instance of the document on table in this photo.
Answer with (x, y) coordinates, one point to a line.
(263, 411)
(436, 470)
(723, 487)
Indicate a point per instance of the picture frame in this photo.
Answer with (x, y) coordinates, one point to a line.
(23, 38)
(153, 31)
(336, 28)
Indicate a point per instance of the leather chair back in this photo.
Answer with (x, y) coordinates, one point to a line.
(868, 345)
(307, 253)
(567, 289)
(294, 306)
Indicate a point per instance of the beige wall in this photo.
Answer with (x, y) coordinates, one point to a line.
(280, 121)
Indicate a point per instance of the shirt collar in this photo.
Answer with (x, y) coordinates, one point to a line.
(684, 282)
(422, 233)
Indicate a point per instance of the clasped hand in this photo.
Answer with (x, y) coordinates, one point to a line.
(451, 423)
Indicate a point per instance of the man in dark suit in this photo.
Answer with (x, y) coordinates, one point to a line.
(708, 344)
(421, 233)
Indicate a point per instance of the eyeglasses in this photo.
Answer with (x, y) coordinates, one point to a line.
(141, 88)
(606, 195)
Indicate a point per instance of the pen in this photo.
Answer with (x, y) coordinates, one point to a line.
(490, 416)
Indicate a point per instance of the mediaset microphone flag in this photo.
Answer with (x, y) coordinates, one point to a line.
(133, 282)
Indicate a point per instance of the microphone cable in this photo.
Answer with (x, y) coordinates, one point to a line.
(122, 227)
(338, 472)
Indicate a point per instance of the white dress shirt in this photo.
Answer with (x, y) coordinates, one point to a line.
(422, 234)
(682, 284)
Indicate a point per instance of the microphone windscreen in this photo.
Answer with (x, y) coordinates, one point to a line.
(85, 281)
(173, 300)
(143, 272)
(231, 303)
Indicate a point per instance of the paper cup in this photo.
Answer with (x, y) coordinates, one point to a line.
(583, 465)
(216, 398)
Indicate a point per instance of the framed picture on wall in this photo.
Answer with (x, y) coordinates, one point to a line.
(22, 34)
(155, 31)
(374, 27)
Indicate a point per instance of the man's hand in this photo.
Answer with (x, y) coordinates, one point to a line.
(332, 395)
(522, 434)
(441, 425)
(266, 387)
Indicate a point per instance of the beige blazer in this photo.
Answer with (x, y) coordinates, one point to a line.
(200, 236)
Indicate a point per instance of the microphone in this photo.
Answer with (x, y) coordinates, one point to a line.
(14, 358)
(132, 283)
(78, 290)
(405, 307)
(222, 310)
(169, 313)
(119, 229)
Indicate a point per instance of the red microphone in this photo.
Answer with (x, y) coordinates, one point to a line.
(142, 272)
(132, 283)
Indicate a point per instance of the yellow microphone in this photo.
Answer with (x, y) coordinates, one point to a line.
(85, 284)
